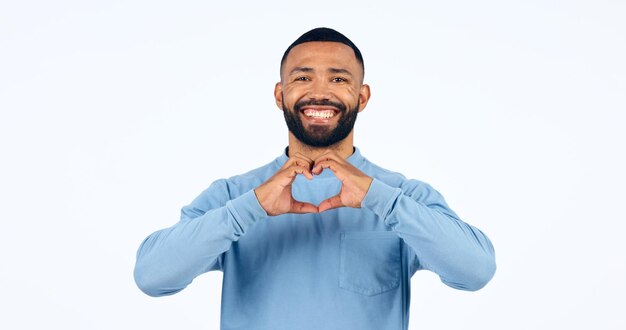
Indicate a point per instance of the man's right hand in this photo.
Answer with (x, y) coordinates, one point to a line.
(274, 195)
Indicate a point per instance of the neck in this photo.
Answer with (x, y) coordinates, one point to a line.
(345, 147)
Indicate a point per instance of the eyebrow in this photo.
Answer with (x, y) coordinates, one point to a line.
(308, 69)
(300, 69)
(343, 71)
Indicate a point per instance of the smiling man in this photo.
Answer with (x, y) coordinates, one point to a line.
(319, 238)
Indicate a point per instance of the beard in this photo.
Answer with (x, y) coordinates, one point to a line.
(320, 136)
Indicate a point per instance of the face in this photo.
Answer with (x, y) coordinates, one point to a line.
(321, 91)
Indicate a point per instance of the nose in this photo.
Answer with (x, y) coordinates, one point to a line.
(320, 90)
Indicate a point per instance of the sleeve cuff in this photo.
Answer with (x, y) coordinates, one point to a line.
(380, 198)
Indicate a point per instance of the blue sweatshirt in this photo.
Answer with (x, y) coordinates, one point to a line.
(347, 268)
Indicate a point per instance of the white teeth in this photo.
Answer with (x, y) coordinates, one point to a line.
(319, 114)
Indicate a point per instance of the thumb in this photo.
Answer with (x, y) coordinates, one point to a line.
(330, 203)
(301, 207)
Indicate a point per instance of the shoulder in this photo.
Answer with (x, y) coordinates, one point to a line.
(410, 187)
(417, 190)
(220, 191)
(239, 184)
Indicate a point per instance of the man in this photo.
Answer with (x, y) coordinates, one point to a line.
(320, 238)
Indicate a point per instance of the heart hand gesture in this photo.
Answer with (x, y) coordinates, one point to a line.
(275, 197)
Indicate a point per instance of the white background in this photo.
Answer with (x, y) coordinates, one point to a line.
(114, 114)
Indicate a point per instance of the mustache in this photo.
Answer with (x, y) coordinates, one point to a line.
(298, 106)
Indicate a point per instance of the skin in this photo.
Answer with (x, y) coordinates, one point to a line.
(318, 71)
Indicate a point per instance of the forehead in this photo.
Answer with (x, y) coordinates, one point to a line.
(322, 54)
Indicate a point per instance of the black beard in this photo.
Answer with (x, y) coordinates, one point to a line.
(320, 136)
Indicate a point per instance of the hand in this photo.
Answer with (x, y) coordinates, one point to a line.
(274, 195)
(354, 183)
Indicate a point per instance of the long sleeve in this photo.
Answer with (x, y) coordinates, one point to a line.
(169, 259)
(459, 253)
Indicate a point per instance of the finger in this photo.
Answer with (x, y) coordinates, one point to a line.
(303, 160)
(294, 170)
(298, 159)
(321, 165)
(302, 207)
(303, 156)
(330, 203)
(327, 157)
(290, 161)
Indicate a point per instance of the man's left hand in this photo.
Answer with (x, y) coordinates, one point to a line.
(354, 183)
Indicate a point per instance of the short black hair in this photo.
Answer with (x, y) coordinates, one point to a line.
(324, 34)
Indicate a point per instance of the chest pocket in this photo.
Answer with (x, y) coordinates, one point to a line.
(370, 262)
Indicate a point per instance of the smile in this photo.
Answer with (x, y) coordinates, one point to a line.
(323, 114)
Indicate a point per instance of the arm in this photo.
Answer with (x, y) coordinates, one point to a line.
(459, 253)
(169, 259)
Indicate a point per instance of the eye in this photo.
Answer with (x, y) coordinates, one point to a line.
(302, 78)
(339, 80)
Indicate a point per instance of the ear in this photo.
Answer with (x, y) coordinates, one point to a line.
(278, 95)
(364, 96)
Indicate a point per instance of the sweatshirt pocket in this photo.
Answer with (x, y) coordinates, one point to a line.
(370, 262)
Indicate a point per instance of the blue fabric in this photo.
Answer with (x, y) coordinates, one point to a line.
(346, 268)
